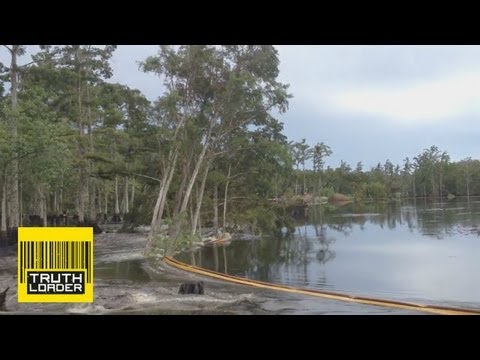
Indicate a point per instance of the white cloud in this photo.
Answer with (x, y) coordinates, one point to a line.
(419, 104)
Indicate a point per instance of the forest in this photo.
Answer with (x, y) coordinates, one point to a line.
(207, 154)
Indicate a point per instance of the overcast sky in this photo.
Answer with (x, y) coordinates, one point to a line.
(368, 103)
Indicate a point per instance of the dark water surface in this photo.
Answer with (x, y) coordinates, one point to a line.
(127, 269)
(425, 252)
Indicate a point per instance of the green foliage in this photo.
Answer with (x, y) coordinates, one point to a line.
(431, 174)
(176, 238)
(79, 135)
(377, 191)
(260, 219)
(216, 111)
(359, 192)
(327, 191)
(138, 215)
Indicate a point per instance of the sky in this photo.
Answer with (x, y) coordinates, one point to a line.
(368, 103)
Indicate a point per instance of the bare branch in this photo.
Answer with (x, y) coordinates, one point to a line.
(36, 61)
(5, 46)
(148, 177)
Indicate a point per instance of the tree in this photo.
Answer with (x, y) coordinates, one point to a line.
(11, 185)
(83, 67)
(427, 169)
(409, 172)
(343, 173)
(467, 172)
(443, 163)
(211, 91)
(320, 152)
(296, 156)
(359, 167)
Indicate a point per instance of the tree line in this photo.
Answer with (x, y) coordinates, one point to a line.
(430, 175)
(207, 153)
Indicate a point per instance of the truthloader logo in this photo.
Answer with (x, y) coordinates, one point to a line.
(55, 264)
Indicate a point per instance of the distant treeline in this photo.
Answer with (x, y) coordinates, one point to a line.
(430, 174)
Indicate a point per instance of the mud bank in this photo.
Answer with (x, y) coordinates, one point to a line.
(128, 283)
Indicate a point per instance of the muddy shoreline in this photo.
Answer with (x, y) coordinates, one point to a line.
(128, 283)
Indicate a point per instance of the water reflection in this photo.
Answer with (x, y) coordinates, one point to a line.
(423, 251)
(431, 219)
(122, 270)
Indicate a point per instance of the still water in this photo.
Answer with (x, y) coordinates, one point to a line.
(425, 252)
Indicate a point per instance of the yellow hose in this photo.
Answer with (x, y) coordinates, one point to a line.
(442, 310)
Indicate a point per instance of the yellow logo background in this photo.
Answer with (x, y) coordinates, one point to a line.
(55, 250)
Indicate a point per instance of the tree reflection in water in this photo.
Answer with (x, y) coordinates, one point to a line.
(303, 257)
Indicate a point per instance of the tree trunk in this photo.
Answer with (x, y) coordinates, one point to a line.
(100, 201)
(20, 198)
(4, 207)
(133, 193)
(83, 189)
(414, 190)
(215, 210)
(117, 207)
(39, 203)
(61, 193)
(160, 204)
(13, 206)
(106, 199)
(225, 200)
(433, 187)
(191, 218)
(199, 224)
(196, 217)
(42, 204)
(45, 209)
(319, 184)
(92, 197)
(467, 180)
(276, 186)
(304, 181)
(91, 183)
(162, 196)
(55, 203)
(81, 195)
(166, 189)
(164, 186)
(440, 190)
(126, 206)
(195, 172)
(165, 183)
(183, 183)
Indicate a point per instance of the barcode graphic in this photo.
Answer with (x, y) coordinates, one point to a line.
(55, 255)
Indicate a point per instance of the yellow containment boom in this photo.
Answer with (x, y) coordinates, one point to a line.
(435, 309)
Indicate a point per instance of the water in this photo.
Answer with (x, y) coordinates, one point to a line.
(127, 283)
(424, 252)
(127, 269)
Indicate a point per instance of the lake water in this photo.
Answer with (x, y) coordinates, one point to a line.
(424, 252)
